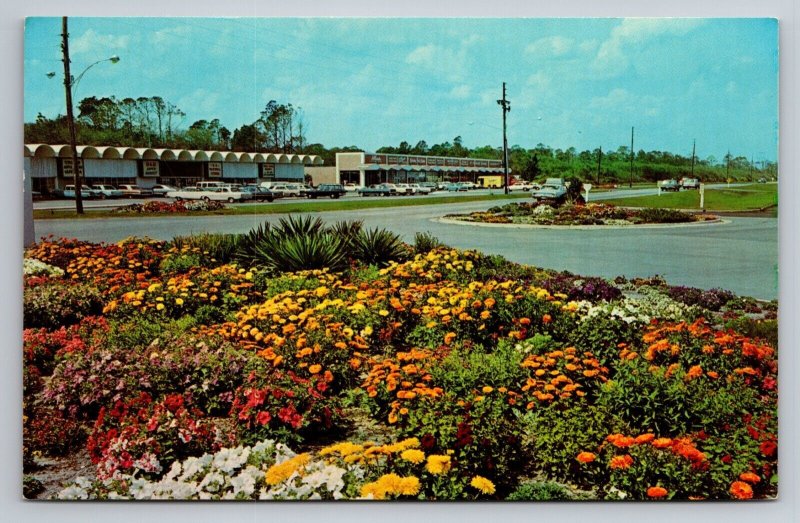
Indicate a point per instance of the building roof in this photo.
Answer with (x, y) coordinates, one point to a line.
(38, 150)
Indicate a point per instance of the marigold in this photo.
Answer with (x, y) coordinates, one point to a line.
(413, 455)
(656, 492)
(662, 443)
(621, 462)
(438, 464)
(644, 438)
(314, 369)
(749, 477)
(741, 490)
(482, 484)
(586, 457)
(282, 471)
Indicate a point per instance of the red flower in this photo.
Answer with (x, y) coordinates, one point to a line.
(656, 492)
(741, 490)
(768, 448)
(263, 417)
(173, 402)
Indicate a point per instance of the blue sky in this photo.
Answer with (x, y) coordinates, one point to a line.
(373, 82)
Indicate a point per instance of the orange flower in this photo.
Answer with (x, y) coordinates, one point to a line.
(749, 477)
(741, 490)
(621, 462)
(449, 337)
(662, 443)
(547, 319)
(694, 372)
(586, 457)
(314, 369)
(656, 492)
(644, 438)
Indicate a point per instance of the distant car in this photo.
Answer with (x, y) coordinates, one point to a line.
(456, 187)
(690, 183)
(669, 185)
(381, 189)
(284, 190)
(106, 191)
(187, 193)
(762, 180)
(212, 193)
(69, 192)
(132, 191)
(418, 188)
(553, 189)
(330, 190)
(162, 190)
(404, 188)
(523, 186)
(350, 187)
(469, 185)
(442, 186)
(259, 193)
(433, 186)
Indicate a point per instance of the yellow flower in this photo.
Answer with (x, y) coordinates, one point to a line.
(438, 464)
(160, 307)
(413, 455)
(314, 369)
(280, 472)
(179, 301)
(487, 389)
(409, 486)
(482, 484)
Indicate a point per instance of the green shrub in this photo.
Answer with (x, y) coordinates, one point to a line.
(300, 253)
(766, 330)
(54, 305)
(377, 247)
(463, 372)
(219, 247)
(179, 263)
(425, 242)
(652, 215)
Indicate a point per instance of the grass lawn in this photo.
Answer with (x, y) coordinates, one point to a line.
(289, 207)
(742, 198)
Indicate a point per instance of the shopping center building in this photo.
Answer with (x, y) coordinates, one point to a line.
(50, 166)
(364, 169)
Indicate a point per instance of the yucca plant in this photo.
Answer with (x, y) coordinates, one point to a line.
(346, 230)
(425, 242)
(298, 226)
(249, 241)
(378, 247)
(221, 247)
(302, 252)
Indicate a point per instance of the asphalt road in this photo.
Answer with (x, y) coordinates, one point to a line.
(740, 255)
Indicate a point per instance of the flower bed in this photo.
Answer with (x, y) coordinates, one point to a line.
(420, 378)
(590, 214)
(157, 207)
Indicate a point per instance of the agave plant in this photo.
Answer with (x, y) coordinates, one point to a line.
(221, 247)
(378, 247)
(302, 252)
(425, 242)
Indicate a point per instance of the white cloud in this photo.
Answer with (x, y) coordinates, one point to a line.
(424, 55)
(441, 60)
(461, 92)
(550, 46)
(171, 35)
(615, 99)
(612, 58)
(200, 102)
(92, 42)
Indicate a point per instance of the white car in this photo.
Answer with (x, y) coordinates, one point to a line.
(134, 190)
(162, 190)
(350, 187)
(217, 194)
(287, 189)
(524, 186)
(106, 191)
(405, 188)
(469, 185)
(420, 189)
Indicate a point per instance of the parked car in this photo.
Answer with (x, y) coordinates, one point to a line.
(553, 189)
(132, 191)
(285, 189)
(690, 183)
(187, 193)
(106, 191)
(433, 186)
(404, 188)
(208, 185)
(669, 185)
(162, 190)
(381, 189)
(469, 185)
(259, 193)
(69, 192)
(418, 188)
(456, 187)
(523, 186)
(442, 186)
(214, 193)
(350, 187)
(330, 190)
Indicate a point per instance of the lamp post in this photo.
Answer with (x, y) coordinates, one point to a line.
(506, 105)
(69, 85)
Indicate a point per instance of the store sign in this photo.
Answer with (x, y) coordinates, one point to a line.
(66, 167)
(452, 162)
(374, 158)
(467, 163)
(393, 159)
(268, 170)
(416, 160)
(150, 168)
(440, 161)
(481, 163)
(495, 163)
(214, 169)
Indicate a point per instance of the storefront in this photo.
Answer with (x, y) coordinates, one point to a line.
(50, 166)
(372, 168)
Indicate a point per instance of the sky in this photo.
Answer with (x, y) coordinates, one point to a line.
(372, 82)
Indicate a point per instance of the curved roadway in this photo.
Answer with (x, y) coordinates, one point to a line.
(740, 255)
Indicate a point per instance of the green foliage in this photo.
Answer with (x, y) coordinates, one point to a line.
(649, 215)
(425, 242)
(377, 247)
(179, 263)
(53, 305)
(574, 190)
(31, 487)
(464, 372)
(308, 252)
(540, 491)
(763, 329)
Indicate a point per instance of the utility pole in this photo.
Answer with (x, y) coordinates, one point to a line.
(630, 179)
(76, 176)
(693, 149)
(728, 165)
(599, 159)
(506, 105)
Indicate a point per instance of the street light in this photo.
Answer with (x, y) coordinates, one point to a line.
(70, 84)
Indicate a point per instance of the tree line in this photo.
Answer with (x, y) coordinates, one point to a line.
(280, 127)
